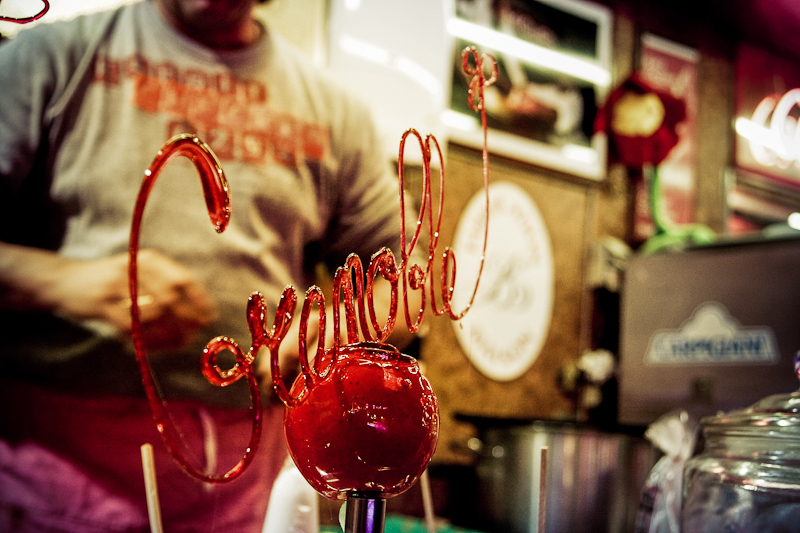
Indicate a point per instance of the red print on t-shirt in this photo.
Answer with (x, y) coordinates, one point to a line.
(232, 115)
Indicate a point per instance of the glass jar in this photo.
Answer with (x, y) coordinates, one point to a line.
(747, 479)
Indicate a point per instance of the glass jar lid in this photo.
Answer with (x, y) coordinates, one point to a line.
(777, 415)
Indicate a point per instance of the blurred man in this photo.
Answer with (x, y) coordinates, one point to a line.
(86, 105)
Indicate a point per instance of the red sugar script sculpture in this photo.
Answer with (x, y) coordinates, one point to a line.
(362, 420)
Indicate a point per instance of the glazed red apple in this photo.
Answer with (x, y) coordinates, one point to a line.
(369, 426)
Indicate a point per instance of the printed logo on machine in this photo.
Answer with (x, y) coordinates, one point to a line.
(712, 336)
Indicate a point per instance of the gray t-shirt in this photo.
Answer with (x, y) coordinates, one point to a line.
(86, 104)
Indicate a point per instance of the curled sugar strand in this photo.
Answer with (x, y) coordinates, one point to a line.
(25, 20)
(215, 187)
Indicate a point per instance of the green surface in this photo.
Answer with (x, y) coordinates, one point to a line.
(405, 524)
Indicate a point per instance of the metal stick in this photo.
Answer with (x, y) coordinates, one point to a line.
(364, 514)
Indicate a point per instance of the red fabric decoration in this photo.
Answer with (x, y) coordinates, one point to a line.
(635, 98)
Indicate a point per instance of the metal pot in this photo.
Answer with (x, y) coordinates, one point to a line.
(593, 477)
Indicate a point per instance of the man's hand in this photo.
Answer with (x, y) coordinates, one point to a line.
(173, 304)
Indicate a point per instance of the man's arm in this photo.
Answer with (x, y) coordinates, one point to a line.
(173, 304)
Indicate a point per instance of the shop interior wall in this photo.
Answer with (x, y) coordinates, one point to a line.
(576, 213)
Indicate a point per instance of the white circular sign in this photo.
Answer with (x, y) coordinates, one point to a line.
(503, 332)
